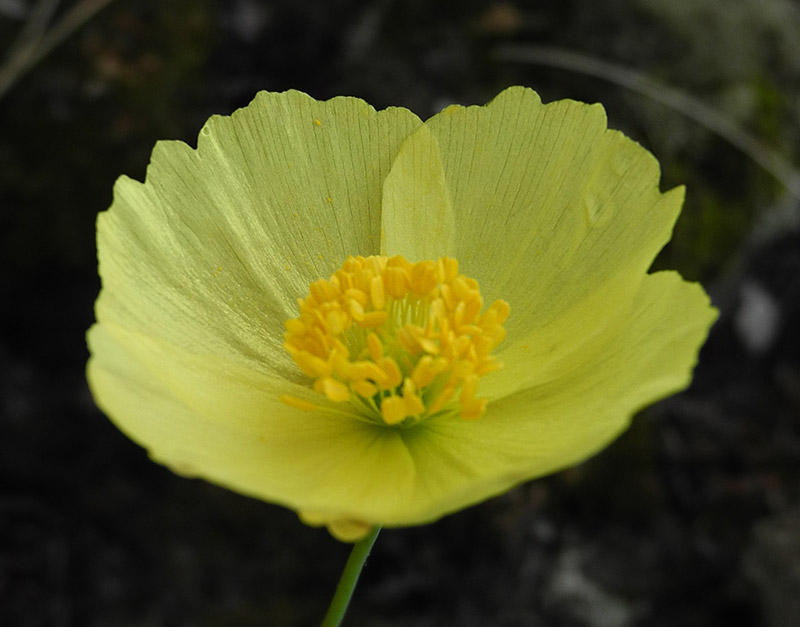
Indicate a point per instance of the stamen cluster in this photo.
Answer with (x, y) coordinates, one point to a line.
(401, 341)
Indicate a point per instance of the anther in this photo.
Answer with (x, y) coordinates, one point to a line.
(402, 341)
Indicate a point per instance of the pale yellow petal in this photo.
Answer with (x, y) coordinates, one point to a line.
(554, 213)
(212, 250)
(208, 417)
(418, 217)
(561, 422)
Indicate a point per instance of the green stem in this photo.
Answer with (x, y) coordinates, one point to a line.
(349, 578)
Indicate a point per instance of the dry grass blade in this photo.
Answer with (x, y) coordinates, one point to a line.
(34, 43)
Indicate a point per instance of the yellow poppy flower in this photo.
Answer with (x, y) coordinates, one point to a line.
(474, 303)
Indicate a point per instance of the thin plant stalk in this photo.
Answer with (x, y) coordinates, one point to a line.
(349, 578)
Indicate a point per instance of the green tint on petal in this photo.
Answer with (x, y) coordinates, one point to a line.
(549, 427)
(212, 250)
(418, 218)
(210, 418)
(555, 214)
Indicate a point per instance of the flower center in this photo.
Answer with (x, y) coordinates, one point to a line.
(400, 341)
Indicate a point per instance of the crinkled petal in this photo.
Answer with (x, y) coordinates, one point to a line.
(560, 423)
(208, 417)
(211, 252)
(553, 213)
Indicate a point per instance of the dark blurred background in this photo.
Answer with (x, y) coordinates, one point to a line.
(691, 518)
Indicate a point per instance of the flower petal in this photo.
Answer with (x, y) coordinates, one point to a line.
(212, 250)
(418, 218)
(209, 417)
(560, 423)
(553, 213)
